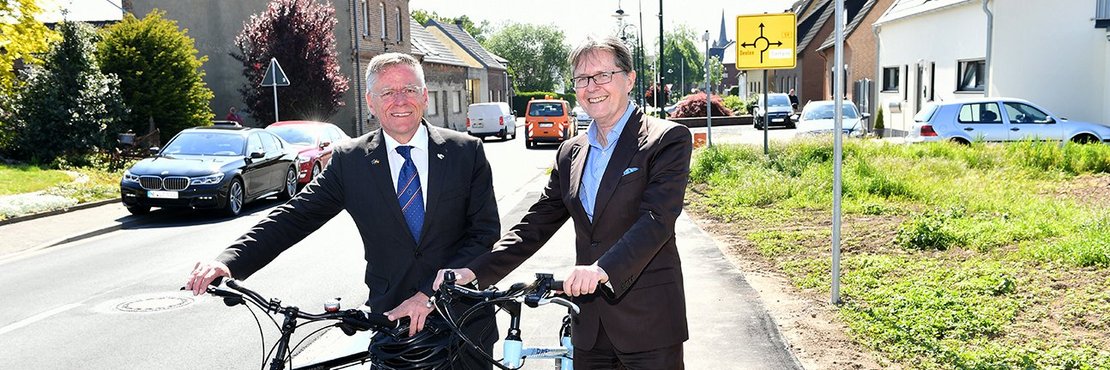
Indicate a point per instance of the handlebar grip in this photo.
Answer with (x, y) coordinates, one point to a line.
(362, 320)
(557, 285)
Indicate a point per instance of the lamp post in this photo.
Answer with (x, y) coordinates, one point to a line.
(637, 53)
(708, 95)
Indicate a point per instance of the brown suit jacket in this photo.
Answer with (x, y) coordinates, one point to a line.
(632, 237)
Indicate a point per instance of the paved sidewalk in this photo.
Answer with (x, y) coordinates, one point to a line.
(31, 235)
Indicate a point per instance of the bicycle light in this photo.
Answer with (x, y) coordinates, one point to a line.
(332, 305)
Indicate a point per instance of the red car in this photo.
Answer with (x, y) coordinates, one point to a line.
(313, 141)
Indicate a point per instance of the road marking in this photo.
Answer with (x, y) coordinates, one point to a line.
(32, 319)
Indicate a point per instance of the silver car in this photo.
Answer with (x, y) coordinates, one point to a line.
(999, 120)
(817, 118)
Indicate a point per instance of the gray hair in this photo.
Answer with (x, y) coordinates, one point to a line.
(611, 44)
(383, 61)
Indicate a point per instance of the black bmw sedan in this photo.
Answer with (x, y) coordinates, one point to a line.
(218, 167)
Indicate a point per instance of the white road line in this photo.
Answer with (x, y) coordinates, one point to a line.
(32, 319)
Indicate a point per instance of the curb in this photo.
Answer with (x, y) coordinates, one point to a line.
(58, 211)
(97, 231)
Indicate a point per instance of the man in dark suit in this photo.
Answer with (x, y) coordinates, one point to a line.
(421, 197)
(623, 185)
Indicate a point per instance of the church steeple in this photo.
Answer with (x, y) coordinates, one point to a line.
(722, 42)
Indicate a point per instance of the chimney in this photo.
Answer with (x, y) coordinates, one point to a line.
(459, 22)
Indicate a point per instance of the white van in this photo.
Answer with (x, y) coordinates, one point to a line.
(491, 119)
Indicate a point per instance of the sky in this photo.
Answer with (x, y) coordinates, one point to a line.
(81, 10)
(577, 18)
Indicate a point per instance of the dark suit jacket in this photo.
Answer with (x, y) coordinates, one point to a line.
(632, 237)
(460, 222)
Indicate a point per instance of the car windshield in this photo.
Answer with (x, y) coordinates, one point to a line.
(303, 135)
(827, 111)
(778, 101)
(545, 109)
(925, 113)
(205, 143)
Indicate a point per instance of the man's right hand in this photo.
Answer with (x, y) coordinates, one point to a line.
(203, 274)
(463, 276)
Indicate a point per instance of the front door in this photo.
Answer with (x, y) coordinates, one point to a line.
(1029, 123)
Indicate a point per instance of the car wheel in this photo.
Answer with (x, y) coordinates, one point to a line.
(1084, 139)
(138, 210)
(504, 134)
(315, 171)
(234, 198)
(960, 141)
(290, 185)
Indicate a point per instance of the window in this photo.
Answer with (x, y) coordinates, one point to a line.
(433, 102)
(891, 79)
(971, 75)
(271, 144)
(366, 18)
(1025, 113)
(399, 28)
(456, 101)
(980, 113)
(254, 144)
(381, 10)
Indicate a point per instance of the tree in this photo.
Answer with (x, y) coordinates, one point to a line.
(478, 31)
(682, 57)
(300, 34)
(69, 108)
(159, 72)
(537, 55)
(21, 37)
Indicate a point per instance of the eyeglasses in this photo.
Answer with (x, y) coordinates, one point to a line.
(408, 92)
(599, 79)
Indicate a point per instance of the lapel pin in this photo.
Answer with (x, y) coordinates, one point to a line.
(375, 161)
(440, 155)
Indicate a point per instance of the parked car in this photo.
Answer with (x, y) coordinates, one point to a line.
(778, 111)
(313, 142)
(818, 118)
(999, 120)
(582, 118)
(491, 119)
(221, 167)
(548, 121)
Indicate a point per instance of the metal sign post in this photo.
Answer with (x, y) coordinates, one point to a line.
(838, 146)
(274, 77)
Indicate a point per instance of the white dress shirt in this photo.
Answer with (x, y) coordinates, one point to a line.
(419, 154)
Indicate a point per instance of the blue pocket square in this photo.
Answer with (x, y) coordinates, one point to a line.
(630, 170)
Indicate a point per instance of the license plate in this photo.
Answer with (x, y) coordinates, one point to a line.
(777, 119)
(477, 124)
(546, 124)
(161, 194)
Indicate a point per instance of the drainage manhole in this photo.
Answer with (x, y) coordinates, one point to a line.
(154, 304)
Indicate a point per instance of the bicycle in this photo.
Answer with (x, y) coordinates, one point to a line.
(433, 347)
(538, 293)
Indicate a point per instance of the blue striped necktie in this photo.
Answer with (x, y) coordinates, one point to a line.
(409, 194)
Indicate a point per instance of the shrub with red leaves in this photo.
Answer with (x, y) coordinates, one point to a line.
(694, 106)
(301, 35)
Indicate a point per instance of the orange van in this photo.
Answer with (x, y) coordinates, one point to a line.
(548, 121)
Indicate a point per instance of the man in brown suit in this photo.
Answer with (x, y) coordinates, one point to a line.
(623, 185)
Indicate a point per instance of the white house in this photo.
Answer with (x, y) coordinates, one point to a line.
(1054, 53)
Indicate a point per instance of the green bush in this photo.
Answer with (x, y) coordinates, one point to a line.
(69, 108)
(735, 104)
(879, 125)
(160, 75)
(929, 231)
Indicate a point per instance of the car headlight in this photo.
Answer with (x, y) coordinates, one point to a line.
(207, 180)
(128, 177)
(303, 159)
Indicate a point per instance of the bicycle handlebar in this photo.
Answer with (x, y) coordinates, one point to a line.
(354, 319)
(536, 294)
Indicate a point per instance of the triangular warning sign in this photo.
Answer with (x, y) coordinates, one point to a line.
(274, 75)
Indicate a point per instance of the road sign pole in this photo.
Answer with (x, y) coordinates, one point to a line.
(766, 147)
(275, 104)
(838, 144)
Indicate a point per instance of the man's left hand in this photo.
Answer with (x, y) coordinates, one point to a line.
(584, 280)
(416, 309)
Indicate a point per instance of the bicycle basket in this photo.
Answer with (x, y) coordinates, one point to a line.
(431, 348)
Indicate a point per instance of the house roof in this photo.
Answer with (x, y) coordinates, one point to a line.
(857, 11)
(468, 43)
(498, 58)
(434, 51)
(814, 22)
(909, 8)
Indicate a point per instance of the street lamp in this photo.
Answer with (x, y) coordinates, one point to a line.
(708, 96)
(638, 62)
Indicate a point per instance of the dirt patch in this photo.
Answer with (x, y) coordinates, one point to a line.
(1086, 189)
(809, 323)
